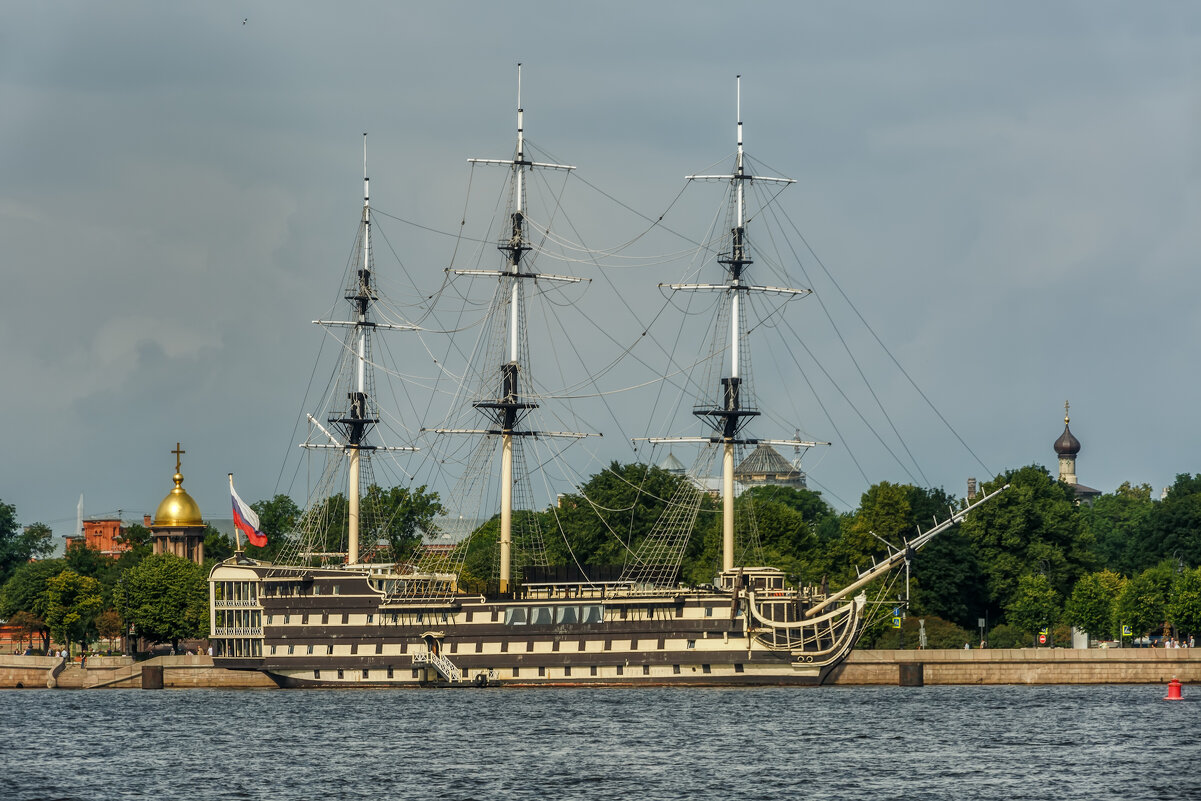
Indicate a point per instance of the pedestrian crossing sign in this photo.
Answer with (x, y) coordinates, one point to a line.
(1126, 631)
(896, 622)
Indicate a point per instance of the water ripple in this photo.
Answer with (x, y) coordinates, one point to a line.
(852, 743)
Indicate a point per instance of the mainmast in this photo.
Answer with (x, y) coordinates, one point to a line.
(358, 423)
(356, 420)
(510, 407)
(734, 409)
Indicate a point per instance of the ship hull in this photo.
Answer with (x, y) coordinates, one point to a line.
(337, 628)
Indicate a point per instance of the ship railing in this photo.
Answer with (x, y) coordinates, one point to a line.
(440, 663)
(240, 631)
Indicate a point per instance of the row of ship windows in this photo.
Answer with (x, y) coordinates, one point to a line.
(369, 619)
(288, 589)
(238, 618)
(543, 672)
(235, 591)
(327, 649)
(514, 616)
(237, 647)
(553, 615)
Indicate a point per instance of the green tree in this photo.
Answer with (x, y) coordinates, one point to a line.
(29, 624)
(613, 512)
(72, 603)
(1184, 603)
(17, 545)
(947, 580)
(217, 546)
(1143, 603)
(402, 514)
(1115, 522)
(104, 568)
(136, 538)
(1092, 603)
(885, 513)
(165, 598)
(391, 519)
(87, 561)
(1172, 529)
(1006, 635)
(278, 518)
(786, 520)
(25, 590)
(1033, 604)
(1034, 526)
(109, 625)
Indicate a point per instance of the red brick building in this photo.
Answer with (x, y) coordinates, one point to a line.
(101, 534)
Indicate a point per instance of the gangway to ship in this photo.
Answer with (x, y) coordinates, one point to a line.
(440, 663)
(434, 657)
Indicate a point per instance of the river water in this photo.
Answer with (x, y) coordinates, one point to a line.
(1010, 743)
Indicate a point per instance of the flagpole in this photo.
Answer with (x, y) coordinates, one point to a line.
(237, 531)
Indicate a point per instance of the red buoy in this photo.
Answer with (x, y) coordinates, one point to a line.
(1173, 691)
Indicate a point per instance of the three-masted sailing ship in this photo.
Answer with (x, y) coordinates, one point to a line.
(343, 613)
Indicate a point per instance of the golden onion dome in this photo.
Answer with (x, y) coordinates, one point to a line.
(178, 508)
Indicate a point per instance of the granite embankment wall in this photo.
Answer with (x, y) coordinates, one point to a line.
(1026, 666)
(1016, 666)
(122, 671)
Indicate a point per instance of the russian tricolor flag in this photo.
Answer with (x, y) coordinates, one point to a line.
(245, 519)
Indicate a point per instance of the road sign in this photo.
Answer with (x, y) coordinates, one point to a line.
(1042, 639)
(896, 622)
(1044, 631)
(1126, 631)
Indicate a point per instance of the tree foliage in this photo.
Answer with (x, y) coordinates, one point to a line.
(393, 518)
(1034, 526)
(612, 513)
(278, 518)
(109, 625)
(165, 598)
(25, 590)
(1033, 604)
(1091, 605)
(28, 624)
(72, 603)
(1172, 529)
(217, 545)
(1184, 603)
(1115, 522)
(1143, 603)
(18, 545)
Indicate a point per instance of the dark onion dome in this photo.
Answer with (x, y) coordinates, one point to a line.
(1067, 445)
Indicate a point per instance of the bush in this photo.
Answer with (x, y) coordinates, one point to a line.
(1007, 636)
(939, 634)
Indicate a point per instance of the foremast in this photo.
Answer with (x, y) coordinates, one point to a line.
(509, 408)
(734, 408)
(355, 421)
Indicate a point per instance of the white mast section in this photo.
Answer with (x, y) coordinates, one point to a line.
(520, 177)
(508, 408)
(736, 279)
(358, 421)
(729, 416)
(353, 473)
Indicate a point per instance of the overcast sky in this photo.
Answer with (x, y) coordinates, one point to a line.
(1009, 193)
